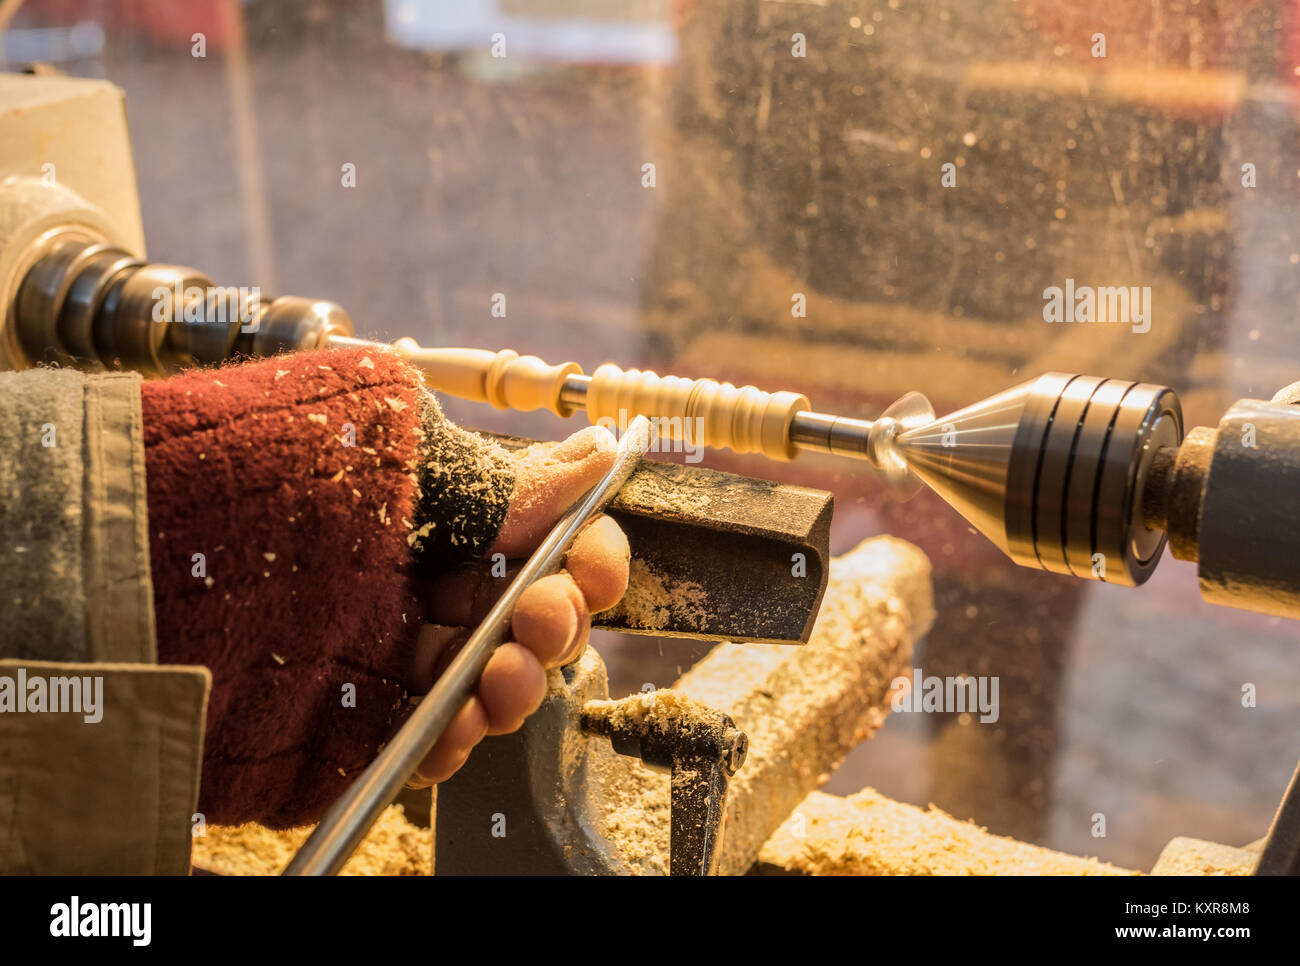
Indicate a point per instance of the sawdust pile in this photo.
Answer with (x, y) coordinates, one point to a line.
(652, 600)
(670, 490)
(636, 814)
(869, 834)
(1188, 856)
(393, 847)
(664, 709)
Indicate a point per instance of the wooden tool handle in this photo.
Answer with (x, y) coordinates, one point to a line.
(703, 411)
(505, 379)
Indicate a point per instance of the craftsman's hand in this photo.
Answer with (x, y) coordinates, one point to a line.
(552, 620)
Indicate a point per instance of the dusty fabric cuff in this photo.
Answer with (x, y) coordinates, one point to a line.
(99, 760)
(465, 486)
(74, 552)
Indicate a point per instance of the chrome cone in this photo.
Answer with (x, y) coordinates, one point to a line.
(965, 458)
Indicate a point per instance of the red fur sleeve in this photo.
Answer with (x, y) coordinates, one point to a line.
(280, 497)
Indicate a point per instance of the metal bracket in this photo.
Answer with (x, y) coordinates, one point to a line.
(707, 545)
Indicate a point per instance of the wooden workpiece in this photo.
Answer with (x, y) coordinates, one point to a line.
(712, 413)
(504, 379)
(1188, 856)
(869, 834)
(704, 412)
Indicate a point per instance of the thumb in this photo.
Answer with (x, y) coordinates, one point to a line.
(550, 478)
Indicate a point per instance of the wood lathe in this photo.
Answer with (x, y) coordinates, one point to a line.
(1074, 474)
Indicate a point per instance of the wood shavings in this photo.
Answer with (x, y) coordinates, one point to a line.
(393, 847)
(414, 536)
(664, 709)
(869, 834)
(671, 491)
(652, 600)
(1188, 856)
(636, 815)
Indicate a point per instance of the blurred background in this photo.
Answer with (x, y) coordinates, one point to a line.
(820, 175)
